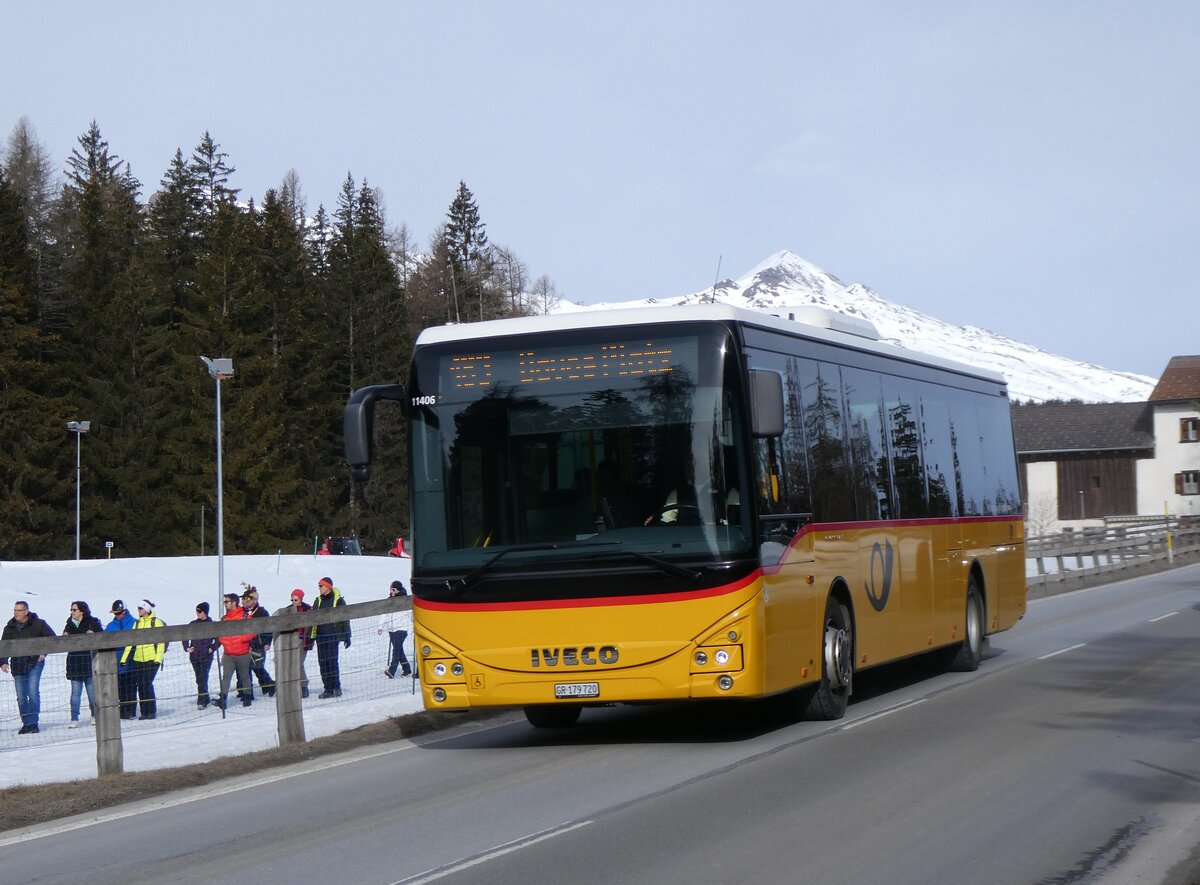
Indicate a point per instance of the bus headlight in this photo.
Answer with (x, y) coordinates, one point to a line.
(722, 657)
(439, 669)
(457, 669)
(701, 658)
(439, 694)
(725, 683)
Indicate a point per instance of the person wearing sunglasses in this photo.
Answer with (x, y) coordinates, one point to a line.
(79, 663)
(123, 619)
(299, 606)
(200, 654)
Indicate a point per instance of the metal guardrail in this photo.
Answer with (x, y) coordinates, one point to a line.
(1072, 560)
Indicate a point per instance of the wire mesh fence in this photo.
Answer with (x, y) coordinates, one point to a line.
(362, 677)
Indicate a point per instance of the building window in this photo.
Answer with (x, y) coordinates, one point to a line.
(1187, 483)
(1189, 429)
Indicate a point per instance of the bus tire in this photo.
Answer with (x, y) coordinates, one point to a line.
(966, 656)
(553, 715)
(828, 698)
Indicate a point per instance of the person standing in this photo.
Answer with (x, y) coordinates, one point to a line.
(146, 660)
(299, 606)
(327, 637)
(236, 656)
(79, 663)
(396, 624)
(200, 653)
(126, 692)
(260, 644)
(26, 670)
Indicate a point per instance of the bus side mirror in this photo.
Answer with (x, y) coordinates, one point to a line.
(766, 403)
(358, 424)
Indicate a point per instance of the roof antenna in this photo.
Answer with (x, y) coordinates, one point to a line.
(713, 298)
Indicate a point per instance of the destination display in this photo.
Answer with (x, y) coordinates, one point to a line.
(567, 365)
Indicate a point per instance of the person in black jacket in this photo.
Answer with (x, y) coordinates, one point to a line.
(79, 663)
(328, 636)
(260, 644)
(200, 653)
(26, 670)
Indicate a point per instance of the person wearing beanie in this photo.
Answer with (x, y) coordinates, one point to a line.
(299, 606)
(122, 619)
(396, 624)
(328, 637)
(146, 660)
(26, 670)
(236, 657)
(200, 653)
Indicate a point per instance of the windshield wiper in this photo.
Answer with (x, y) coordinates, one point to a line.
(471, 578)
(663, 565)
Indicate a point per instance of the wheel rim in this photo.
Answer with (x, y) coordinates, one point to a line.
(837, 656)
(974, 623)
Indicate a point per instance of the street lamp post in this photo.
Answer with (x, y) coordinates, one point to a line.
(219, 369)
(79, 428)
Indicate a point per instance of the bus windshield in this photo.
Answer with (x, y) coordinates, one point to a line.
(578, 445)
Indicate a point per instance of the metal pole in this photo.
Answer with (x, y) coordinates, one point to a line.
(78, 447)
(220, 507)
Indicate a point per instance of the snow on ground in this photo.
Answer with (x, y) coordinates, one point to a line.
(182, 734)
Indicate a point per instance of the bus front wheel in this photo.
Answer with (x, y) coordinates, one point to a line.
(553, 715)
(828, 698)
(967, 655)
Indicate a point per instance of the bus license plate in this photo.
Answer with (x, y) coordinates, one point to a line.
(577, 690)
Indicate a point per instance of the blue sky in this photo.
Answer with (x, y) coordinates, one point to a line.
(1029, 167)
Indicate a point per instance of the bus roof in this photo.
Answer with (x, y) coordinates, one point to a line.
(804, 321)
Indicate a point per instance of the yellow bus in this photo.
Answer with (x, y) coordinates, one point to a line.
(697, 502)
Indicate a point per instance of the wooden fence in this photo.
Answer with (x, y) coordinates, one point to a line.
(284, 624)
(1072, 560)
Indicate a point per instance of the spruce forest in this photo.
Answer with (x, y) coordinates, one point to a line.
(108, 299)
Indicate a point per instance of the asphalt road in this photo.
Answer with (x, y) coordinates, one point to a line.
(1071, 756)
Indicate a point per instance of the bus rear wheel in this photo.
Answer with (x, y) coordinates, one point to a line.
(966, 656)
(553, 715)
(828, 698)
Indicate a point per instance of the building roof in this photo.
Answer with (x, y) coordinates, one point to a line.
(1043, 428)
(1179, 381)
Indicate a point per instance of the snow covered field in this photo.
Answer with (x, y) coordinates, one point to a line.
(182, 734)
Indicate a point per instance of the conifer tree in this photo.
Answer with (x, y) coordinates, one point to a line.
(33, 469)
(110, 301)
(471, 259)
(31, 175)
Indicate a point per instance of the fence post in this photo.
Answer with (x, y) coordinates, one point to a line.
(110, 753)
(289, 711)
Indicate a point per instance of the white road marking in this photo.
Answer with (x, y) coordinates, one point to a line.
(492, 854)
(1163, 617)
(880, 714)
(1061, 651)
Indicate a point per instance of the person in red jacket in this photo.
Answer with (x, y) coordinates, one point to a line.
(235, 656)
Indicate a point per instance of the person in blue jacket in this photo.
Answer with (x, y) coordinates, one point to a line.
(126, 684)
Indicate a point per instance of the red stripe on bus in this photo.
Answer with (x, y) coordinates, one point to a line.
(591, 601)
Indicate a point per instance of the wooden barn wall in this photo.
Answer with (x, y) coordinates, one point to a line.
(1108, 483)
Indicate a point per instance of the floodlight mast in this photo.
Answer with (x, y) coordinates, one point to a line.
(220, 369)
(79, 428)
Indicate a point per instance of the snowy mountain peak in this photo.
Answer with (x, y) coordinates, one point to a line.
(785, 280)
